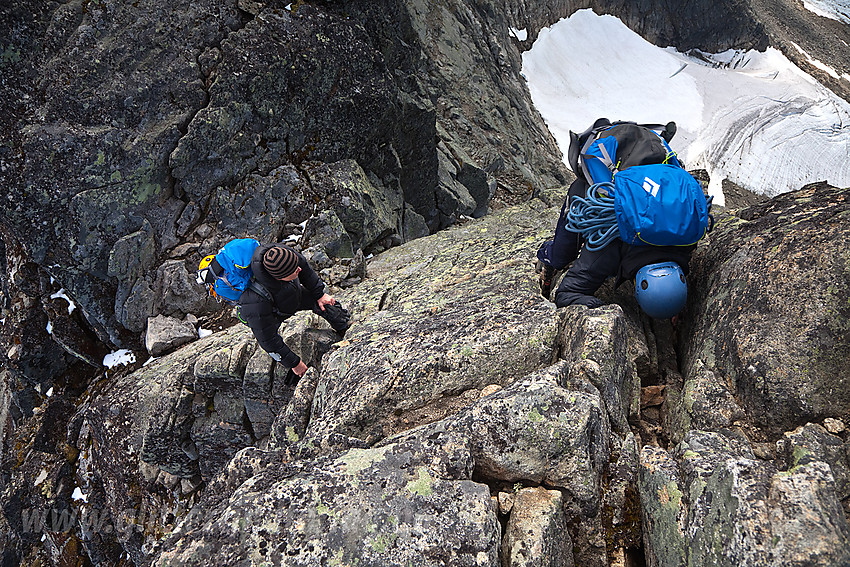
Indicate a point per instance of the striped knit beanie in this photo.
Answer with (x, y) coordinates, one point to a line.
(280, 262)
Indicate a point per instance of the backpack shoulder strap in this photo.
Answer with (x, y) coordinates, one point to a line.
(264, 292)
(261, 290)
(579, 141)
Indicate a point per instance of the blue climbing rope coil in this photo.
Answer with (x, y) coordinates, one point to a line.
(593, 216)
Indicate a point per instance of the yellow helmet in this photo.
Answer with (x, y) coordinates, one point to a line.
(206, 261)
(206, 277)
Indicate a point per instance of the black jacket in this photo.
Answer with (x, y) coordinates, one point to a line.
(619, 259)
(263, 317)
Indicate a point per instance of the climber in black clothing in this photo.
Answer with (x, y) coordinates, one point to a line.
(601, 157)
(287, 284)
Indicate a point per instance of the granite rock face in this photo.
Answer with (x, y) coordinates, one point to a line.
(769, 319)
(140, 137)
(457, 389)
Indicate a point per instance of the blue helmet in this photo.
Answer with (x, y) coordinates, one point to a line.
(661, 289)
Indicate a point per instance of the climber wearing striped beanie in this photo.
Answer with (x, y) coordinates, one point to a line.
(283, 284)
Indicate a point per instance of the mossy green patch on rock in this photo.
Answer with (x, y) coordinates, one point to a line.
(423, 485)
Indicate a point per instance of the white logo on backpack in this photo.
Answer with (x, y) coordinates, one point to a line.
(651, 186)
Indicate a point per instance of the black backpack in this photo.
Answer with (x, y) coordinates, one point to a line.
(637, 144)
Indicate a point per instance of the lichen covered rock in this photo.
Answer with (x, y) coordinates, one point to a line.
(392, 505)
(726, 507)
(537, 534)
(438, 317)
(770, 311)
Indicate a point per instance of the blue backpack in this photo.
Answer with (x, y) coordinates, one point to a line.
(639, 191)
(661, 205)
(235, 276)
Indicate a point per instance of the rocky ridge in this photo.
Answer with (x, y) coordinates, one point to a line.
(122, 170)
(464, 420)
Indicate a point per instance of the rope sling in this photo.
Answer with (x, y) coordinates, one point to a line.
(593, 216)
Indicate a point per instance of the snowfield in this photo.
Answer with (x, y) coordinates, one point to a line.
(834, 9)
(753, 118)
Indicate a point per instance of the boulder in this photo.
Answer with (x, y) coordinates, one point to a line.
(261, 205)
(726, 507)
(445, 315)
(812, 442)
(538, 432)
(180, 420)
(596, 343)
(404, 502)
(166, 333)
(537, 534)
(769, 325)
(368, 210)
(326, 230)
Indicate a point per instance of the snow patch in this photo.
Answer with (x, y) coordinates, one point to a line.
(40, 478)
(49, 327)
(753, 118)
(204, 333)
(520, 35)
(815, 63)
(832, 9)
(78, 495)
(61, 293)
(121, 357)
(49, 392)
